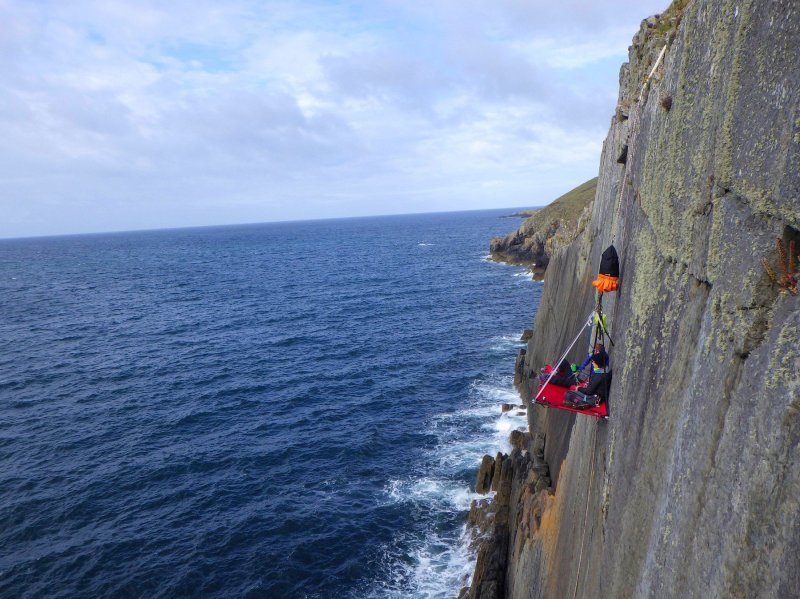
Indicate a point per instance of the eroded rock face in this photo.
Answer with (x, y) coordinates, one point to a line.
(519, 367)
(691, 488)
(519, 440)
(510, 518)
(525, 246)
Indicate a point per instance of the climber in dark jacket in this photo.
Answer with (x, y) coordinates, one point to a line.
(599, 348)
(600, 378)
(564, 377)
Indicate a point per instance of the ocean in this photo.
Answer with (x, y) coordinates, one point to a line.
(276, 410)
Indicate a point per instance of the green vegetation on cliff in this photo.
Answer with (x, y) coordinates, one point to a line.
(564, 207)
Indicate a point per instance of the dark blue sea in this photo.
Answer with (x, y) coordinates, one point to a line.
(277, 410)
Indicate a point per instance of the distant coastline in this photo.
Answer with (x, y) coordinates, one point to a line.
(545, 229)
(524, 213)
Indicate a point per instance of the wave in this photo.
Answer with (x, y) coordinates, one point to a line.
(438, 568)
(505, 343)
(438, 563)
(441, 493)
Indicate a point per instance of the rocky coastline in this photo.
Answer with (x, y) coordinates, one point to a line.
(545, 230)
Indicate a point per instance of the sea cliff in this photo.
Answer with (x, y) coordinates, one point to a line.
(691, 488)
(546, 230)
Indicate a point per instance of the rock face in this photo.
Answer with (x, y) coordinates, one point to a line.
(692, 488)
(522, 484)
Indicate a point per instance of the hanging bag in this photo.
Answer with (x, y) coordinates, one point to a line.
(608, 277)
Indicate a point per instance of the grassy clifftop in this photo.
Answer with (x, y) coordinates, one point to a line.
(565, 206)
(546, 229)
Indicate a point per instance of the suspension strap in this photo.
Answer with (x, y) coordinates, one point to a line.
(602, 327)
(602, 332)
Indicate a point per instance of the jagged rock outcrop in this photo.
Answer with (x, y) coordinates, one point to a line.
(546, 230)
(691, 488)
(522, 484)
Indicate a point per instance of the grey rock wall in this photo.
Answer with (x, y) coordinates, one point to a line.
(692, 488)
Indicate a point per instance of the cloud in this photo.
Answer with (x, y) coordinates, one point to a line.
(140, 114)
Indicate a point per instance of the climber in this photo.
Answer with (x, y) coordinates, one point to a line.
(564, 376)
(600, 378)
(596, 390)
(599, 349)
(558, 395)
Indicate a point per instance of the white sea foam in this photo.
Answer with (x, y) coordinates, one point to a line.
(514, 339)
(443, 566)
(441, 493)
(456, 454)
(520, 271)
(458, 457)
(506, 343)
(493, 392)
(508, 422)
(482, 411)
(425, 244)
(436, 565)
(528, 276)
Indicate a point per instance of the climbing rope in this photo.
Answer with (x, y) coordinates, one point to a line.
(619, 205)
(634, 130)
(652, 71)
(586, 512)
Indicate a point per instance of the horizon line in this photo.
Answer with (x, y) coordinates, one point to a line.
(269, 222)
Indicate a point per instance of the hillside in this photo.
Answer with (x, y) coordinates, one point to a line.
(563, 207)
(546, 229)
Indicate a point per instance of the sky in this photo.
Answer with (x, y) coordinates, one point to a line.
(124, 115)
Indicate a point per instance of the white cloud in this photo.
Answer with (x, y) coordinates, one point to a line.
(123, 114)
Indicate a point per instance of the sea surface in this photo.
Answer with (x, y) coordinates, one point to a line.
(277, 410)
